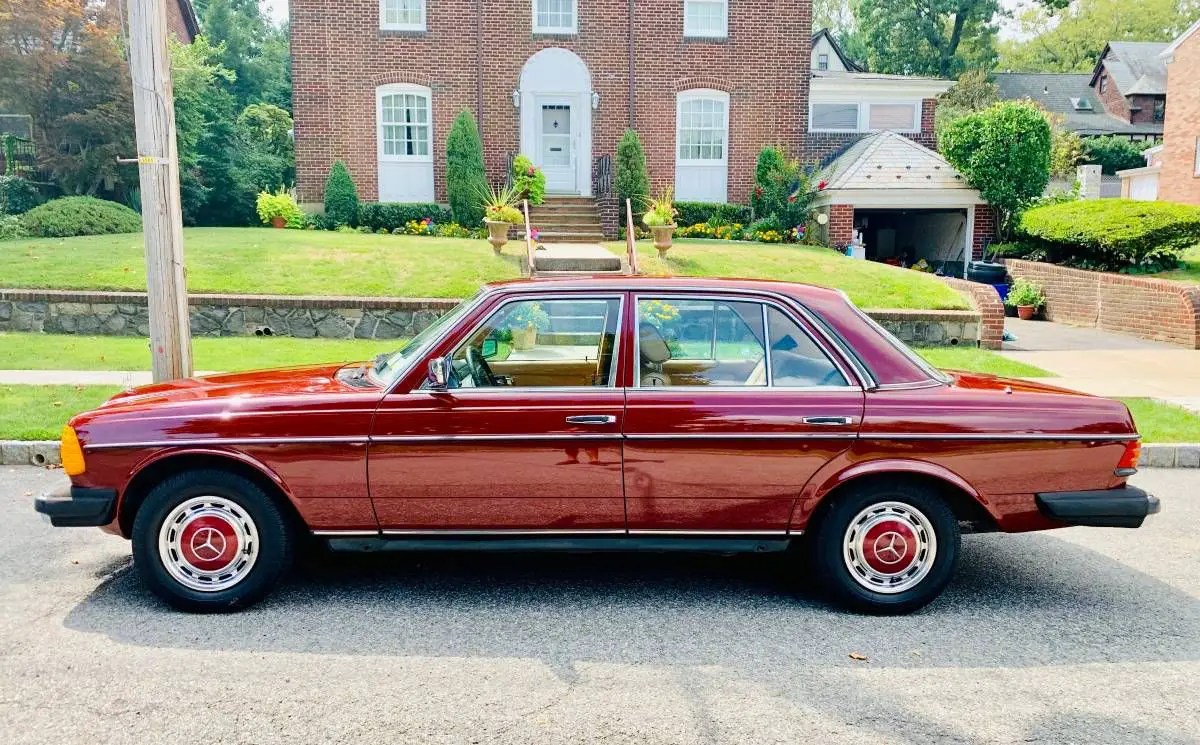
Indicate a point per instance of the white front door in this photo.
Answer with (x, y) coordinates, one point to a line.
(556, 147)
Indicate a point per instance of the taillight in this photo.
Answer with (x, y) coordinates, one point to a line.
(1127, 466)
(72, 453)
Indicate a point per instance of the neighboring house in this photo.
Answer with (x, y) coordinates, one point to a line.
(1131, 80)
(827, 55)
(1179, 177)
(1142, 183)
(181, 20)
(1071, 96)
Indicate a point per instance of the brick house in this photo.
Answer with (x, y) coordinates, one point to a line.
(1131, 80)
(1179, 161)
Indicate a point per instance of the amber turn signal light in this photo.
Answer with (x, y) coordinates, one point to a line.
(1127, 466)
(72, 453)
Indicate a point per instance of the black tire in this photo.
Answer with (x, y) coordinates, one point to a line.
(833, 551)
(245, 507)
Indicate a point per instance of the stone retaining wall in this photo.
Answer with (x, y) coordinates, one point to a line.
(1157, 309)
(125, 314)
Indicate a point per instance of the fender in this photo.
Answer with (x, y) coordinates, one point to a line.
(848, 466)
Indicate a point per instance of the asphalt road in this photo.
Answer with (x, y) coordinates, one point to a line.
(1075, 636)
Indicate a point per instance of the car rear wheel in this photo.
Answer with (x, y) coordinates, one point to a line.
(210, 541)
(887, 548)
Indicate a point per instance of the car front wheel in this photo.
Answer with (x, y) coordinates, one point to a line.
(210, 541)
(887, 549)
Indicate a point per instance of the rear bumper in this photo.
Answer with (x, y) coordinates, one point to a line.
(78, 507)
(1126, 507)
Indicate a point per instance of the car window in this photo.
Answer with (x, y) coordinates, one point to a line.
(796, 360)
(541, 343)
(700, 343)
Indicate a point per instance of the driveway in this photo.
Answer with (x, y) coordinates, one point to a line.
(1079, 635)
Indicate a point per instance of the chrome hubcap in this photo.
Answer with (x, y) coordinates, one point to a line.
(208, 543)
(889, 547)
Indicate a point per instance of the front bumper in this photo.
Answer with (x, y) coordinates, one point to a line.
(1126, 507)
(78, 507)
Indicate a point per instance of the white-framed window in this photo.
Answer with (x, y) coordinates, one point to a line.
(702, 126)
(822, 61)
(865, 116)
(706, 18)
(405, 122)
(555, 16)
(402, 15)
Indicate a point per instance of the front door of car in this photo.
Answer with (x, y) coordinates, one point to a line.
(734, 406)
(526, 434)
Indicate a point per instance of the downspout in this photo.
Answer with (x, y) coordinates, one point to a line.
(479, 64)
(632, 73)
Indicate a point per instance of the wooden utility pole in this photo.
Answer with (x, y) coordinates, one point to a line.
(158, 170)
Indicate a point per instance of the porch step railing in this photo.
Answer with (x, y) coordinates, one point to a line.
(603, 176)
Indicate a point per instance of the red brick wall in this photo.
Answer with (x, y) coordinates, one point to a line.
(985, 230)
(1150, 308)
(841, 224)
(1111, 99)
(821, 145)
(1177, 181)
(986, 302)
(340, 56)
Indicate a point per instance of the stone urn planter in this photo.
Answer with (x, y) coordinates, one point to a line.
(662, 238)
(279, 221)
(524, 338)
(497, 234)
(1025, 312)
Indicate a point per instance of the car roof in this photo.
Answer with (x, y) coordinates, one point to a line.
(613, 282)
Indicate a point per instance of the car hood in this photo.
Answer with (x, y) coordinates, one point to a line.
(286, 381)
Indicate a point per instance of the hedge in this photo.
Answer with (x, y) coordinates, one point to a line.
(691, 213)
(1113, 234)
(392, 215)
(69, 216)
(17, 195)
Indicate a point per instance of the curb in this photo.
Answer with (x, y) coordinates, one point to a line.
(46, 453)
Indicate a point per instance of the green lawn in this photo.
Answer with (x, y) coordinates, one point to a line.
(974, 359)
(38, 412)
(1190, 271)
(300, 262)
(1163, 422)
(869, 284)
(226, 354)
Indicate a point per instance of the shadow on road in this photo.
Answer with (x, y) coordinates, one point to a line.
(1017, 600)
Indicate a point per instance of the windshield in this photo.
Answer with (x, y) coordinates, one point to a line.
(388, 367)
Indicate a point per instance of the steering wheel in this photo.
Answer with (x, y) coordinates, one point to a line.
(481, 373)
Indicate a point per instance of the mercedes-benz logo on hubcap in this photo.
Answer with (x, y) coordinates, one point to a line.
(208, 544)
(890, 547)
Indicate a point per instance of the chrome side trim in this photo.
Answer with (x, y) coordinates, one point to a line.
(228, 441)
(729, 533)
(697, 390)
(994, 436)
(346, 533)
(914, 385)
(449, 532)
(498, 438)
(744, 436)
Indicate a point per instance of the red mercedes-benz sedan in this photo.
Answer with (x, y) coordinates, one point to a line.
(632, 413)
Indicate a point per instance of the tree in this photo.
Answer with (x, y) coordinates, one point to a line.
(1114, 153)
(630, 178)
(254, 49)
(466, 179)
(341, 196)
(1071, 40)
(838, 17)
(973, 92)
(1004, 152)
(927, 37)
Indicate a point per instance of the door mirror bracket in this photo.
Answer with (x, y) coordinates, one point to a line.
(439, 373)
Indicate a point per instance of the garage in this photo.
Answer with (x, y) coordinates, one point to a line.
(905, 237)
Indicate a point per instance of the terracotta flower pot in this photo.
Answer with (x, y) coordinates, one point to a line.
(662, 238)
(524, 338)
(279, 221)
(1025, 312)
(497, 234)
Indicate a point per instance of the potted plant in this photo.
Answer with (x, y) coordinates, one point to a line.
(525, 321)
(529, 182)
(660, 218)
(278, 209)
(500, 213)
(1026, 297)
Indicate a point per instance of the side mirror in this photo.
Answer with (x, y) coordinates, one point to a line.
(439, 373)
(489, 348)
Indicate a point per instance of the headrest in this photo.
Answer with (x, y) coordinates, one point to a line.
(653, 346)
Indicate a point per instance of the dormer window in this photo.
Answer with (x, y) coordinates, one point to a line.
(822, 61)
(402, 15)
(555, 17)
(1103, 83)
(707, 19)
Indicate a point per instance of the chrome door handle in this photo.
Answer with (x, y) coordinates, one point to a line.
(828, 420)
(592, 419)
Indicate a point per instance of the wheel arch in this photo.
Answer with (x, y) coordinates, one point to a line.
(965, 501)
(154, 469)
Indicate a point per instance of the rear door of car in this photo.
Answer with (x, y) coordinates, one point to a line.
(734, 403)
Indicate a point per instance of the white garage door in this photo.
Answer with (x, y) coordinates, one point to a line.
(1144, 187)
(405, 119)
(702, 146)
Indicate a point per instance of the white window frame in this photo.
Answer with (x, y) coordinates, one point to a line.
(560, 30)
(701, 94)
(384, 26)
(823, 62)
(392, 89)
(690, 33)
(864, 115)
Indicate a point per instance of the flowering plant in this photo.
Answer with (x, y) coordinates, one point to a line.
(528, 180)
(499, 205)
(661, 210)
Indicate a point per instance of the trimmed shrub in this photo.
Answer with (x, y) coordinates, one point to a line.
(392, 215)
(693, 213)
(1113, 153)
(10, 227)
(763, 199)
(630, 180)
(341, 196)
(1113, 234)
(17, 195)
(60, 218)
(466, 179)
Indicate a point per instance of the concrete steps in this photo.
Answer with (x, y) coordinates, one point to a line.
(567, 219)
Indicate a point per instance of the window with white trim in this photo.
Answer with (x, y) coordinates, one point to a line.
(402, 15)
(703, 127)
(834, 117)
(404, 123)
(554, 16)
(706, 18)
(822, 61)
(900, 117)
(865, 116)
